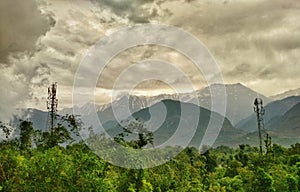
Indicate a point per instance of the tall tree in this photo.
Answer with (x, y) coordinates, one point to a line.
(5, 129)
(26, 133)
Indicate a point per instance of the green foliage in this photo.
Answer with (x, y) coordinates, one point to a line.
(58, 135)
(262, 181)
(26, 132)
(291, 183)
(295, 149)
(76, 168)
(136, 127)
(293, 160)
(233, 168)
(50, 167)
(210, 161)
(54, 169)
(73, 122)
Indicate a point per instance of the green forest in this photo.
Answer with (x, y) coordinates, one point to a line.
(37, 162)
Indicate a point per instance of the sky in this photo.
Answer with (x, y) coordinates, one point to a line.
(256, 43)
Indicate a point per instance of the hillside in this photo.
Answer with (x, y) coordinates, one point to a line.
(289, 124)
(238, 104)
(239, 100)
(273, 114)
(165, 126)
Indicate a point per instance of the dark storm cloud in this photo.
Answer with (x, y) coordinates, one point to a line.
(21, 24)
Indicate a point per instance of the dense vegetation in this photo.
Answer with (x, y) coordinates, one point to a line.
(50, 167)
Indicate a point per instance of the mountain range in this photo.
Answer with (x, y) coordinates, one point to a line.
(181, 121)
(238, 105)
(239, 100)
(281, 116)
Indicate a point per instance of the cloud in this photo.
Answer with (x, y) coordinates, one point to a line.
(21, 28)
(21, 25)
(251, 40)
(136, 11)
(241, 69)
(133, 60)
(254, 42)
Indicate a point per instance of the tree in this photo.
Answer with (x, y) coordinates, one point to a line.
(295, 149)
(6, 129)
(135, 179)
(232, 169)
(73, 122)
(242, 156)
(211, 163)
(26, 133)
(53, 138)
(136, 127)
(291, 183)
(278, 150)
(263, 182)
(59, 134)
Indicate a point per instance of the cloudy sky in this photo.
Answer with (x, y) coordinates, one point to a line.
(254, 42)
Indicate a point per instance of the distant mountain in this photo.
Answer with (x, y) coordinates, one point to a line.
(165, 125)
(283, 117)
(238, 106)
(135, 103)
(85, 109)
(152, 116)
(273, 114)
(38, 118)
(289, 124)
(239, 101)
(295, 92)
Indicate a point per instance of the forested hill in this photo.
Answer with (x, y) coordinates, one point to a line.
(76, 168)
(36, 161)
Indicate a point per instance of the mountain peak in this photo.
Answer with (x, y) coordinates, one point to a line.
(294, 92)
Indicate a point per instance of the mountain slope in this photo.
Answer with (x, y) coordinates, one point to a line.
(164, 125)
(38, 118)
(238, 104)
(239, 100)
(290, 123)
(273, 114)
(40, 121)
